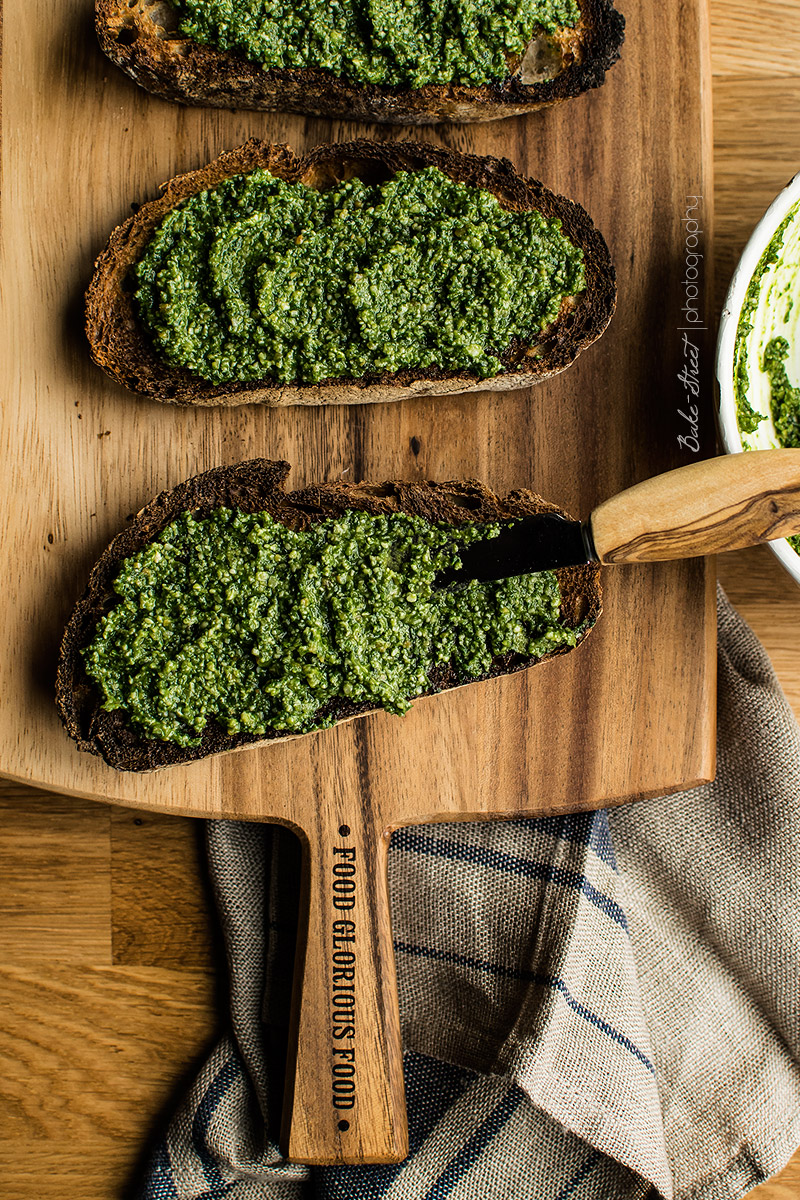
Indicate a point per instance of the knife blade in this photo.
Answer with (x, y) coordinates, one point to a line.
(537, 543)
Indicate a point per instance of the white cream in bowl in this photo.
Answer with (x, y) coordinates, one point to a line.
(758, 348)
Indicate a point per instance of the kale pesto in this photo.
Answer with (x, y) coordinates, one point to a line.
(748, 418)
(784, 401)
(767, 402)
(262, 279)
(234, 617)
(784, 398)
(388, 42)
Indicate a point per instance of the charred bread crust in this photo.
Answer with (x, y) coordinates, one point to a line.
(142, 38)
(120, 345)
(255, 486)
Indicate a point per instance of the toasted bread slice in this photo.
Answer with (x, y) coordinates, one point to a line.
(120, 345)
(142, 37)
(257, 486)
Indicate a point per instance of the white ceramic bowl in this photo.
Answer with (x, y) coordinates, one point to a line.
(769, 319)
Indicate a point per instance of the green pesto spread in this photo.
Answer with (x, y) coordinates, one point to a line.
(784, 398)
(262, 279)
(747, 417)
(765, 350)
(389, 42)
(236, 618)
(784, 401)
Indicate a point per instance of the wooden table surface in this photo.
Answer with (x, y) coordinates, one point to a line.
(112, 977)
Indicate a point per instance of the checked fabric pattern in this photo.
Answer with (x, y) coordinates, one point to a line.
(595, 1007)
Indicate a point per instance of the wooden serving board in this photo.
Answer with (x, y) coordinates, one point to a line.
(630, 714)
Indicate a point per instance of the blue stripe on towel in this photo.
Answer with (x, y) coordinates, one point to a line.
(202, 1120)
(432, 1087)
(474, 1146)
(582, 1173)
(491, 968)
(597, 1021)
(412, 839)
(587, 829)
(159, 1184)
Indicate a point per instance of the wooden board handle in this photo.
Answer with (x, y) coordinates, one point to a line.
(708, 507)
(344, 1100)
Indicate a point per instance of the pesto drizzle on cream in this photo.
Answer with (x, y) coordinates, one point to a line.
(262, 279)
(234, 617)
(748, 418)
(784, 401)
(388, 42)
(784, 397)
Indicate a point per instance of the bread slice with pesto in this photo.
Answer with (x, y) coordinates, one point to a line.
(568, 52)
(257, 487)
(127, 349)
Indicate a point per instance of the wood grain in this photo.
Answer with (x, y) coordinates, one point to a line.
(345, 990)
(738, 51)
(161, 908)
(756, 152)
(785, 1186)
(81, 454)
(756, 141)
(85, 454)
(96, 1044)
(723, 503)
(96, 1035)
(54, 859)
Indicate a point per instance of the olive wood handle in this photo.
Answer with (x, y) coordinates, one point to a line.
(344, 1100)
(718, 504)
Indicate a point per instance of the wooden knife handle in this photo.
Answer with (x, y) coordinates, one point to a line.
(344, 1100)
(718, 504)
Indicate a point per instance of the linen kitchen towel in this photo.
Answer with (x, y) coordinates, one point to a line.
(594, 1007)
